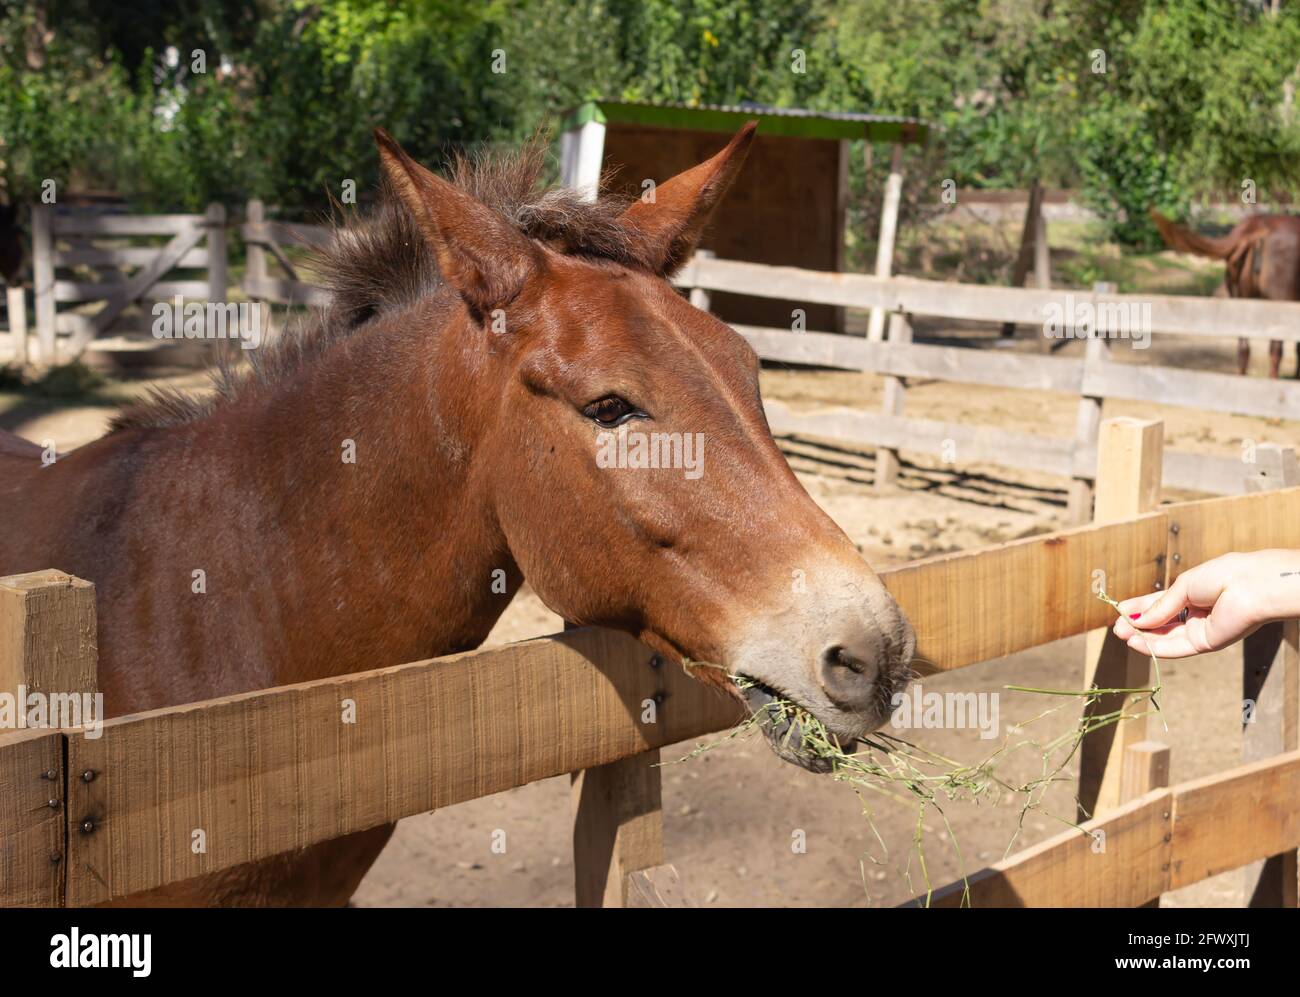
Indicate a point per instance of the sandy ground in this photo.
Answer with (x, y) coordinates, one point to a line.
(732, 815)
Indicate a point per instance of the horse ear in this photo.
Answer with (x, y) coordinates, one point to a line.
(478, 252)
(672, 225)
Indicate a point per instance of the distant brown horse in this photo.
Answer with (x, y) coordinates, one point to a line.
(483, 339)
(1262, 260)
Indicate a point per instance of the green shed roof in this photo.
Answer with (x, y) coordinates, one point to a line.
(787, 122)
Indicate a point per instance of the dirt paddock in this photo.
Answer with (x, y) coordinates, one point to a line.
(732, 815)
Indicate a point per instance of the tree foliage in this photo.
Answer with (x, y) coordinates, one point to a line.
(1136, 102)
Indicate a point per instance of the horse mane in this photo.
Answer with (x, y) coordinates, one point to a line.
(380, 264)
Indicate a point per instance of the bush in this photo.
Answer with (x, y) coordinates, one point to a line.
(1123, 174)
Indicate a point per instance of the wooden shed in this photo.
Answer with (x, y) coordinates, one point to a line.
(788, 205)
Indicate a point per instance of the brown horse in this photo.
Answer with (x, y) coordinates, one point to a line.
(484, 343)
(1262, 260)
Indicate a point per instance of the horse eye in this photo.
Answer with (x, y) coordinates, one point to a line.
(610, 411)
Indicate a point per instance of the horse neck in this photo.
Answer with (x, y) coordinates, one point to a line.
(393, 557)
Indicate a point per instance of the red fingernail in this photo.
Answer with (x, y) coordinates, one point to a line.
(1135, 616)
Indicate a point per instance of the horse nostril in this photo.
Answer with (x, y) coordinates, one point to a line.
(848, 676)
(839, 657)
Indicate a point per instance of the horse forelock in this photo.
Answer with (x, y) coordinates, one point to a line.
(380, 263)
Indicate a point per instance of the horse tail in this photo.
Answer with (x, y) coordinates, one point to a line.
(1184, 240)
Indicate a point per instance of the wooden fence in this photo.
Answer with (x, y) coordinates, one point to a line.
(86, 820)
(1093, 378)
(65, 238)
(265, 238)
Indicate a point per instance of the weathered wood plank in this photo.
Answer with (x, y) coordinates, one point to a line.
(16, 306)
(1195, 316)
(31, 830)
(195, 259)
(988, 445)
(1146, 768)
(1163, 841)
(973, 444)
(291, 234)
(81, 223)
(163, 290)
(977, 605)
(47, 634)
(1270, 694)
(1195, 472)
(1121, 860)
(270, 771)
(1268, 398)
(962, 365)
(43, 284)
(1128, 484)
(892, 402)
(816, 349)
(1205, 529)
(618, 828)
(1087, 424)
(1226, 820)
(1270, 691)
(47, 649)
(214, 225)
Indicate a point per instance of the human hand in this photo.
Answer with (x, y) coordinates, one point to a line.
(1213, 604)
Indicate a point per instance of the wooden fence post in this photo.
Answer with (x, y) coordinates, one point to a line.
(1130, 453)
(888, 231)
(1086, 424)
(1271, 697)
(255, 272)
(43, 281)
(618, 828)
(47, 633)
(1146, 768)
(887, 462)
(215, 220)
(16, 304)
(47, 647)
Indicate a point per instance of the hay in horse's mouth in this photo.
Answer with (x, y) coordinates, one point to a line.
(885, 764)
(783, 725)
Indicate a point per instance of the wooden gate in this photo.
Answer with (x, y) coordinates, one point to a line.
(66, 238)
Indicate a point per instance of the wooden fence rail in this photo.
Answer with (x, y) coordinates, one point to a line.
(1094, 378)
(268, 771)
(1184, 315)
(1165, 840)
